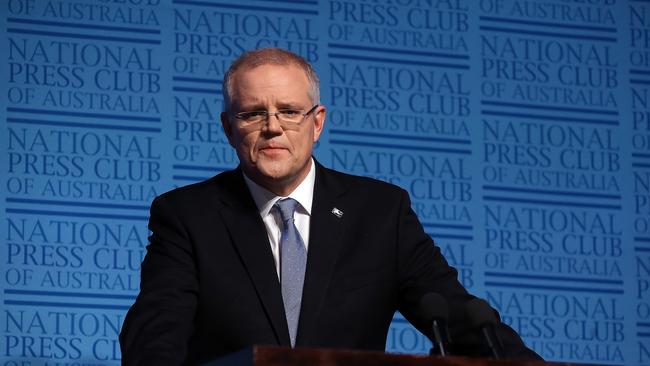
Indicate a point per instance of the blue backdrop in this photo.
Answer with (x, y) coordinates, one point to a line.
(519, 127)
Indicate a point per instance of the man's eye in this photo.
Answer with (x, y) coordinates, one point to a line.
(251, 115)
(289, 112)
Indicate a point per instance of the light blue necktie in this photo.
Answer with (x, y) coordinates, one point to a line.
(293, 259)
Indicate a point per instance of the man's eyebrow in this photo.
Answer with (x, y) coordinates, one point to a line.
(288, 105)
(252, 107)
(255, 106)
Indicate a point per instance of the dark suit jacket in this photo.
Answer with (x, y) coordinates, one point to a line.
(209, 285)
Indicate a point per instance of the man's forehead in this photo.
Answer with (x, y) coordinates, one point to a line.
(247, 69)
(245, 90)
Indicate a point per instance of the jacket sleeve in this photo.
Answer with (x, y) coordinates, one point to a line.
(422, 269)
(158, 327)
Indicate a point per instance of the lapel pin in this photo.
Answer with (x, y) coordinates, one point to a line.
(338, 213)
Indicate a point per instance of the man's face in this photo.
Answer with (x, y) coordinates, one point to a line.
(276, 157)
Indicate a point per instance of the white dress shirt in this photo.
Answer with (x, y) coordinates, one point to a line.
(265, 200)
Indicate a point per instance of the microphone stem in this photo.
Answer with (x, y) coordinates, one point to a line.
(493, 342)
(438, 339)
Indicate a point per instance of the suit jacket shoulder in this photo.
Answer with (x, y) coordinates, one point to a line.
(229, 184)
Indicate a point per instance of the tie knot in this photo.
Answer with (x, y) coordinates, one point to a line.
(286, 207)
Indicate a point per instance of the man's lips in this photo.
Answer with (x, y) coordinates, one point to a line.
(272, 149)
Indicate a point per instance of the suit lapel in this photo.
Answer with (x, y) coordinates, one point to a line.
(248, 233)
(324, 246)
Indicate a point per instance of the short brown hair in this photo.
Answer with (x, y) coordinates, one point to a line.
(265, 56)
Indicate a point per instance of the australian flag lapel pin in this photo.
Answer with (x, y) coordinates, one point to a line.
(338, 213)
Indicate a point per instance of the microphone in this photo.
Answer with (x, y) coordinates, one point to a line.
(481, 315)
(433, 308)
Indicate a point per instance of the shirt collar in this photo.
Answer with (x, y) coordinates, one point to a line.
(304, 193)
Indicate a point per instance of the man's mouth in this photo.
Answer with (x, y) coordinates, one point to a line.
(272, 149)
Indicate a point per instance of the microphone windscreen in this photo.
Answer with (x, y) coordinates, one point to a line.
(433, 306)
(480, 313)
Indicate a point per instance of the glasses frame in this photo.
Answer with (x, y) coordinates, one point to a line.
(267, 115)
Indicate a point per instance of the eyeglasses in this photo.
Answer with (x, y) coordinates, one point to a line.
(291, 116)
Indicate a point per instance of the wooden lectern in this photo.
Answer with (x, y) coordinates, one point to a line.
(282, 356)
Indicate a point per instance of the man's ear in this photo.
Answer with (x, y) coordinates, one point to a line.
(227, 128)
(319, 121)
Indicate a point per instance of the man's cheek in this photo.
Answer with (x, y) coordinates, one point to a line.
(247, 130)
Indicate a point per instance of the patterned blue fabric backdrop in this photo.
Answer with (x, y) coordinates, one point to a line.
(521, 129)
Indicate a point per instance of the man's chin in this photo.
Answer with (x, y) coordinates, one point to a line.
(273, 172)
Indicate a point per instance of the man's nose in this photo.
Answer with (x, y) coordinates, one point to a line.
(273, 124)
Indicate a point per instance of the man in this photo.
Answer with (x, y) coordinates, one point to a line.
(282, 250)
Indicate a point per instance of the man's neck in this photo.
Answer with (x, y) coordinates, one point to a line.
(303, 193)
(279, 187)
